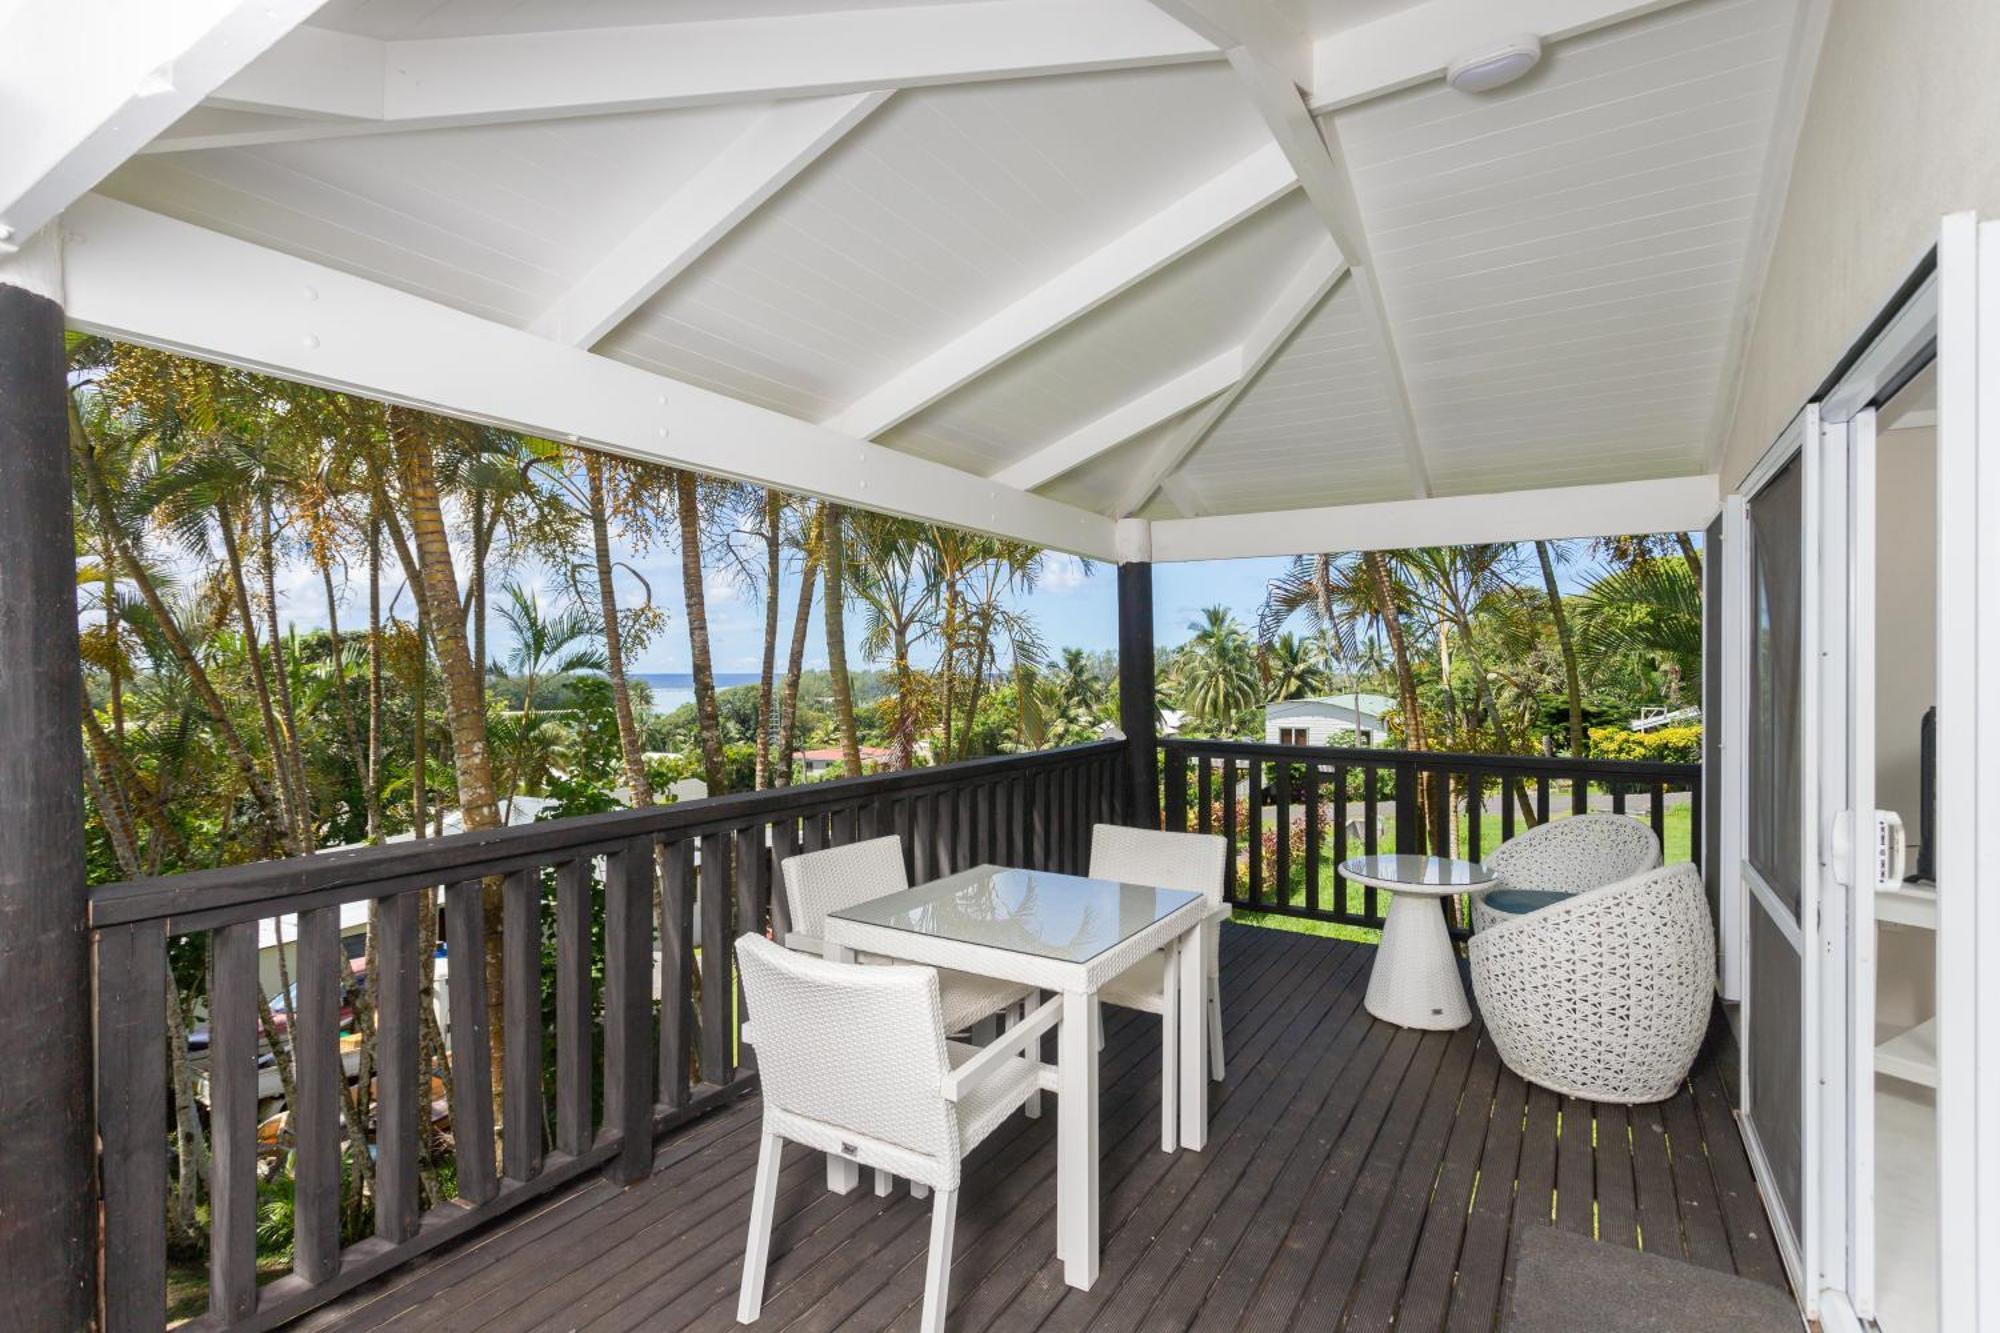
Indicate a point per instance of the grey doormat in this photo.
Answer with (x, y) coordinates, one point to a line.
(1565, 1283)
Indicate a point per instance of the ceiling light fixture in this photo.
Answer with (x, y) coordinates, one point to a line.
(1494, 66)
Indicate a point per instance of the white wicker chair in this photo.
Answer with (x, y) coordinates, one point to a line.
(1606, 994)
(1190, 861)
(853, 1061)
(1562, 857)
(817, 883)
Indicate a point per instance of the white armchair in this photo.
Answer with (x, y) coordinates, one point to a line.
(1562, 857)
(1606, 994)
(817, 883)
(1193, 862)
(853, 1061)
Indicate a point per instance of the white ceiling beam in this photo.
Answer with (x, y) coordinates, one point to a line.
(1301, 296)
(432, 82)
(150, 279)
(83, 86)
(1667, 505)
(1207, 211)
(777, 147)
(1315, 154)
(1259, 26)
(1414, 45)
(1189, 389)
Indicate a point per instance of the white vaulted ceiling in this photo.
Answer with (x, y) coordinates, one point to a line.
(1059, 246)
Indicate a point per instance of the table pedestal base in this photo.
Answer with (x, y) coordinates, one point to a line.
(1415, 981)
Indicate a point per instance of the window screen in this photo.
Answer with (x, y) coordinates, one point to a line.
(1776, 795)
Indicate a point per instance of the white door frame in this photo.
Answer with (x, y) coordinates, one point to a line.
(1968, 773)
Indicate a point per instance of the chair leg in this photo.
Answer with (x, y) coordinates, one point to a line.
(937, 1269)
(1215, 1065)
(1170, 1049)
(1033, 1106)
(757, 1248)
(919, 1190)
(1097, 1022)
(843, 1175)
(884, 1183)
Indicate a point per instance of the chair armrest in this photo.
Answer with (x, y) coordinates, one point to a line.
(1219, 912)
(1012, 1042)
(800, 942)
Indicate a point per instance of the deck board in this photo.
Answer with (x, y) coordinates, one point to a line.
(1358, 1176)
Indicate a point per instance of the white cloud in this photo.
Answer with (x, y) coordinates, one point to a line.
(1063, 573)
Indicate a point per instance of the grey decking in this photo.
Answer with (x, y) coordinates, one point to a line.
(1357, 1174)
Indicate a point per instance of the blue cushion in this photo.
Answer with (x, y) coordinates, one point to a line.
(1520, 902)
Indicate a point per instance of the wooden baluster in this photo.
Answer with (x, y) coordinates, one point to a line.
(1017, 821)
(471, 1053)
(628, 1007)
(521, 1088)
(398, 1096)
(750, 863)
(1617, 798)
(131, 1112)
(1695, 833)
(784, 846)
(1541, 798)
(717, 1049)
(1579, 795)
(677, 969)
(965, 828)
(1409, 816)
(321, 1083)
(1281, 870)
(574, 1129)
(232, 1107)
(924, 838)
(1508, 787)
(1205, 795)
(1441, 813)
(1371, 834)
(815, 831)
(1659, 821)
(1475, 812)
(1038, 821)
(1334, 878)
(1229, 826)
(1176, 813)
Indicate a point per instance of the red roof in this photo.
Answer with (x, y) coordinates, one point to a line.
(868, 752)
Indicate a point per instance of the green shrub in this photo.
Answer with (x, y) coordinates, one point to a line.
(1664, 745)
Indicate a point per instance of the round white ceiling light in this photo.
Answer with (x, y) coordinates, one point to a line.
(1494, 66)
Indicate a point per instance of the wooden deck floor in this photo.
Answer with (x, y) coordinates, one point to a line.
(1357, 1175)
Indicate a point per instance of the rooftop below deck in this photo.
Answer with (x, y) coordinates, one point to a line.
(1358, 1175)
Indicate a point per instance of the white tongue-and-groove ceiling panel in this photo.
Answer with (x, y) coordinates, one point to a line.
(1201, 306)
(943, 207)
(398, 20)
(1317, 427)
(1562, 260)
(498, 220)
(1098, 484)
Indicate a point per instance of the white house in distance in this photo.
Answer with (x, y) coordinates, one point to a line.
(1355, 718)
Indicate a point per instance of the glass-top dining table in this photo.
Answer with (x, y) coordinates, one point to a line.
(1067, 934)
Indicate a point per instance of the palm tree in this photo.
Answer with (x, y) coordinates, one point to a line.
(832, 542)
(694, 600)
(1651, 607)
(889, 579)
(1292, 668)
(1344, 599)
(549, 649)
(1547, 554)
(1215, 671)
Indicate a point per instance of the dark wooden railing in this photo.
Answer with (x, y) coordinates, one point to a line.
(677, 884)
(1293, 813)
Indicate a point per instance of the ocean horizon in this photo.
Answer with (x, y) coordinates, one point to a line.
(671, 689)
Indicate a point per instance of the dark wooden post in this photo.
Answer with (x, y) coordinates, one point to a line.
(48, 1238)
(1140, 791)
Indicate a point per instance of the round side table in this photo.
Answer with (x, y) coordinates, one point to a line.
(1415, 982)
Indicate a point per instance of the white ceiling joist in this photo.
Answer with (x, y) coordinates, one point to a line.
(778, 146)
(136, 275)
(430, 82)
(87, 85)
(1205, 212)
(1669, 504)
(1301, 296)
(1258, 26)
(1163, 403)
(1314, 152)
(1414, 45)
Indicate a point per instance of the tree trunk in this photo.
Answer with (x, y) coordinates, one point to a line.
(774, 513)
(614, 649)
(834, 544)
(1572, 679)
(260, 681)
(347, 722)
(688, 510)
(374, 674)
(1399, 649)
(1688, 553)
(465, 693)
(287, 713)
(795, 663)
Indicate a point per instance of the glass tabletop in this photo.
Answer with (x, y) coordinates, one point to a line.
(1064, 917)
(1426, 872)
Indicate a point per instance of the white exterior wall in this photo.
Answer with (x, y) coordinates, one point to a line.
(1902, 127)
(1333, 727)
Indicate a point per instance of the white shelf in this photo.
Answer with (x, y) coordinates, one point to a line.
(1908, 905)
(1911, 1055)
